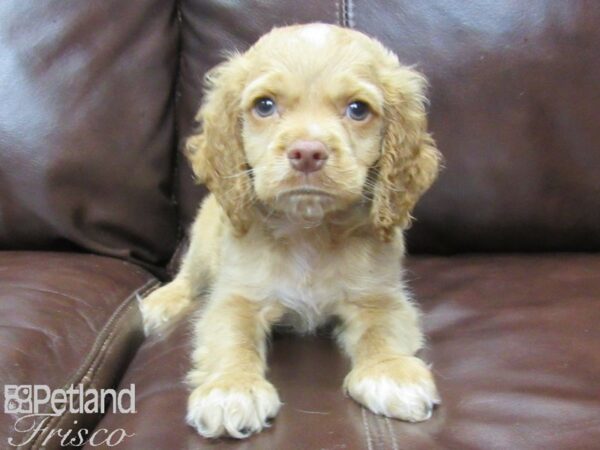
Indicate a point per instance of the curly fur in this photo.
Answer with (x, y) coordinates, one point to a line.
(216, 154)
(409, 161)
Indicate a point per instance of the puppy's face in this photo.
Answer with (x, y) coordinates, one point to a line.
(311, 120)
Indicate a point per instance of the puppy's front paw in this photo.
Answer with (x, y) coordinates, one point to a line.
(400, 387)
(237, 405)
(163, 305)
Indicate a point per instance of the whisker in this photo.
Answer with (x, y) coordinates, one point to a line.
(245, 172)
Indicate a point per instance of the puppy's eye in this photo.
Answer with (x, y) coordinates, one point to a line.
(358, 110)
(265, 107)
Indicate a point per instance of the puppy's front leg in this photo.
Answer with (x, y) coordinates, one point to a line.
(166, 303)
(381, 335)
(230, 393)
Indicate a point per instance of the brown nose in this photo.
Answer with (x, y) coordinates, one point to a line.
(307, 156)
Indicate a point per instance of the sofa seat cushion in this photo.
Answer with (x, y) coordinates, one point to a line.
(65, 319)
(515, 346)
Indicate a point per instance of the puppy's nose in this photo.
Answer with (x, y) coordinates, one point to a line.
(307, 156)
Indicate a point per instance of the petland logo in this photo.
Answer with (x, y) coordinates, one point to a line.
(35, 404)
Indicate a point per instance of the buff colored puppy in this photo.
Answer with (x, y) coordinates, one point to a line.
(315, 148)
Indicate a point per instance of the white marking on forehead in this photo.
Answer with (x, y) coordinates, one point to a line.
(314, 130)
(316, 34)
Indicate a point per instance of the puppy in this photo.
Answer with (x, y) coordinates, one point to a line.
(315, 148)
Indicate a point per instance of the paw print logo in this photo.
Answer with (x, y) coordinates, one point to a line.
(18, 399)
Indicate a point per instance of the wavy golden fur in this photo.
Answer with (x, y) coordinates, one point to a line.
(277, 243)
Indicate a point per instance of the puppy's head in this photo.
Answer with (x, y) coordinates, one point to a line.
(310, 121)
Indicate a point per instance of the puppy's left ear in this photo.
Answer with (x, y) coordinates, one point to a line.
(409, 160)
(216, 153)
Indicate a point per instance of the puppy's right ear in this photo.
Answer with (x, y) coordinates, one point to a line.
(216, 154)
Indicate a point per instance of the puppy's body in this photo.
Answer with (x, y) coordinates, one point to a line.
(310, 273)
(286, 237)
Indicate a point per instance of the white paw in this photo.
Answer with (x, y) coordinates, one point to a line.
(234, 406)
(161, 306)
(401, 388)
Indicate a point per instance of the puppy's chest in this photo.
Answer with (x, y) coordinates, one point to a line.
(309, 281)
(303, 267)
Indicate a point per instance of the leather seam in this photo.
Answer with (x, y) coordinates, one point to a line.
(99, 351)
(175, 179)
(345, 10)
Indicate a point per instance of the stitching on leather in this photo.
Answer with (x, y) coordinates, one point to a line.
(379, 431)
(176, 172)
(349, 14)
(366, 428)
(97, 354)
(345, 13)
(392, 435)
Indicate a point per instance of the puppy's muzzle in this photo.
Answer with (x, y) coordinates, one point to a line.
(307, 156)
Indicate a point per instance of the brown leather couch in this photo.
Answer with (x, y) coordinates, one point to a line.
(95, 98)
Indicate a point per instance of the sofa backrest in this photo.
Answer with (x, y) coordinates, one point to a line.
(86, 126)
(95, 96)
(515, 108)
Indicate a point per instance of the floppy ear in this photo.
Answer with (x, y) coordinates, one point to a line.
(409, 160)
(216, 154)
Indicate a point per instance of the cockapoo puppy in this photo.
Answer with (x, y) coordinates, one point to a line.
(315, 148)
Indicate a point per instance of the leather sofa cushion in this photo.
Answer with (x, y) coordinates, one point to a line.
(66, 319)
(514, 108)
(514, 346)
(86, 126)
